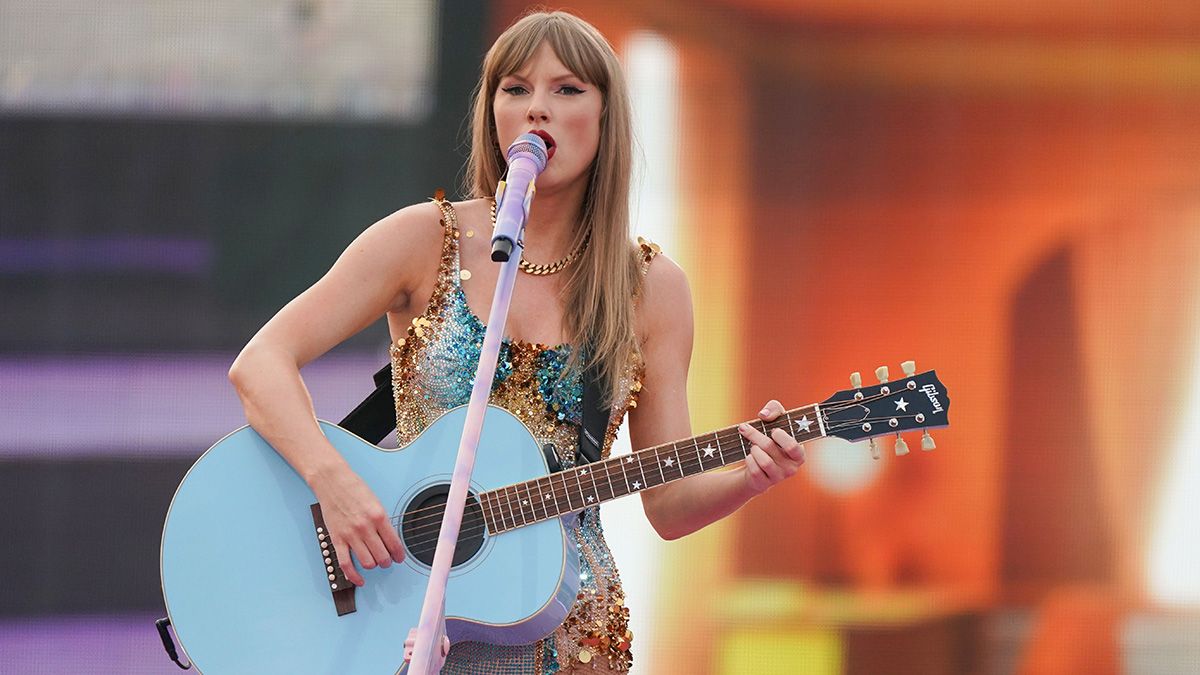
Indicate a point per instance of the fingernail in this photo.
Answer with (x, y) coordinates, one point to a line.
(763, 412)
(743, 427)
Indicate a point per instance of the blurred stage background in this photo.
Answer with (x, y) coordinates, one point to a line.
(1006, 192)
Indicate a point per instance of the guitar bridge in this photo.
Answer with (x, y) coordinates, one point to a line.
(339, 586)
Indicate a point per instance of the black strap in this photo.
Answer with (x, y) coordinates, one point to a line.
(375, 417)
(595, 418)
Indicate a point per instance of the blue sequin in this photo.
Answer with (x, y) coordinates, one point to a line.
(433, 371)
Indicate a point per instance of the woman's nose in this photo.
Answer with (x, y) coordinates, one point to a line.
(538, 110)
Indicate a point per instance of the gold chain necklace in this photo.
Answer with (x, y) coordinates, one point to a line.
(554, 267)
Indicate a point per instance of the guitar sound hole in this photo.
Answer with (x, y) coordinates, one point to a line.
(423, 521)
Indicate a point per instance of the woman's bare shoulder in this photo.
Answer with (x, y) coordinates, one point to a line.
(421, 221)
(473, 212)
(407, 236)
(665, 307)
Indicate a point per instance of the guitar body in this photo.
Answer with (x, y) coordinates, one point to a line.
(247, 589)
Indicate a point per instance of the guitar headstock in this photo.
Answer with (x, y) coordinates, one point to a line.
(918, 401)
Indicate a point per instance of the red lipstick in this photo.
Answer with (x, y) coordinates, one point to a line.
(545, 136)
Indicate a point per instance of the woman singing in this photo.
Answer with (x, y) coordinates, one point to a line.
(582, 282)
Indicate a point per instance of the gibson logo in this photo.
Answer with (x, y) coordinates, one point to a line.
(932, 393)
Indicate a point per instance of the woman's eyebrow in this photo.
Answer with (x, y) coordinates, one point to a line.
(564, 75)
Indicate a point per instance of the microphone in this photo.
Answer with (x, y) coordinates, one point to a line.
(526, 159)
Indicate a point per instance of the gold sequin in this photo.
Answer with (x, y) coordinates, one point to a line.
(470, 233)
(649, 248)
(597, 627)
(419, 325)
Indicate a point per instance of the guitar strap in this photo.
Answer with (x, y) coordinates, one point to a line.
(595, 418)
(375, 417)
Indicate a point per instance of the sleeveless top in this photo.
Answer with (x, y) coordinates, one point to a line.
(433, 370)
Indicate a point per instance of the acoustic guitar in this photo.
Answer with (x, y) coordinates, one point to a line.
(252, 583)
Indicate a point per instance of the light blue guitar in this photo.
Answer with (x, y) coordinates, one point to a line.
(251, 583)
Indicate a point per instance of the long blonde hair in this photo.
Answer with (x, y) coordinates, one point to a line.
(598, 296)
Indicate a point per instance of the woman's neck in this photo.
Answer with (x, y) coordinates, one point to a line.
(555, 217)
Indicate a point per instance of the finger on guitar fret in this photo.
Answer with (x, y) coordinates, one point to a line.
(771, 410)
(770, 468)
(791, 448)
(755, 436)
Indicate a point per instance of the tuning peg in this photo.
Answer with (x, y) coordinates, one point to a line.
(874, 449)
(882, 373)
(856, 379)
(927, 443)
(909, 368)
(901, 446)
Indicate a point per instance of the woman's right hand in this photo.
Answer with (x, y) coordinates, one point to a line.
(357, 523)
(377, 274)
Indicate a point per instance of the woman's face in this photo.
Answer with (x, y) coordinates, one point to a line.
(543, 95)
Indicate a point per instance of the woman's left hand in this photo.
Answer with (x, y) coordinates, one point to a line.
(772, 458)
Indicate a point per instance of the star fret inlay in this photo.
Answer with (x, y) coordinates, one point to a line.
(803, 423)
(670, 461)
(708, 450)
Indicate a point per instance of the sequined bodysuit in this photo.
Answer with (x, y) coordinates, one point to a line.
(433, 370)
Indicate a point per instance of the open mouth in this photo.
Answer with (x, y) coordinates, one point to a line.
(550, 145)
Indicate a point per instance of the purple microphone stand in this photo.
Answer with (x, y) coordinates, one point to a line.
(427, 644)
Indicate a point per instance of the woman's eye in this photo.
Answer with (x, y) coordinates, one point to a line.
(518, 90)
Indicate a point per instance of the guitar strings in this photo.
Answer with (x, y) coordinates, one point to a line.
(559, 489)
(432, 521)
(424, 540)
(502, 499)
(725, 434)
(720, 436)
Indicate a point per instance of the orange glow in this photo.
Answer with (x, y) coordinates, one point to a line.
(1007, 205)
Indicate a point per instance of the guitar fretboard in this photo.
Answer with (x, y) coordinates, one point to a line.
(578, 488)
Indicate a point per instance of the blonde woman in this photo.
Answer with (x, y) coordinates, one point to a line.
(427, 268)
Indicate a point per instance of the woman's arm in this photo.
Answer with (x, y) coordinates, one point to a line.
(378, 272)
(680, 508)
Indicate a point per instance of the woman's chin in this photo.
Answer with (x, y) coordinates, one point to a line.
(553, 182)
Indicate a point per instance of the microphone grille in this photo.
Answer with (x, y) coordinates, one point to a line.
(532, 144)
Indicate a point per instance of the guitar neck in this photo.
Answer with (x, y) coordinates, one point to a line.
(578, 488)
